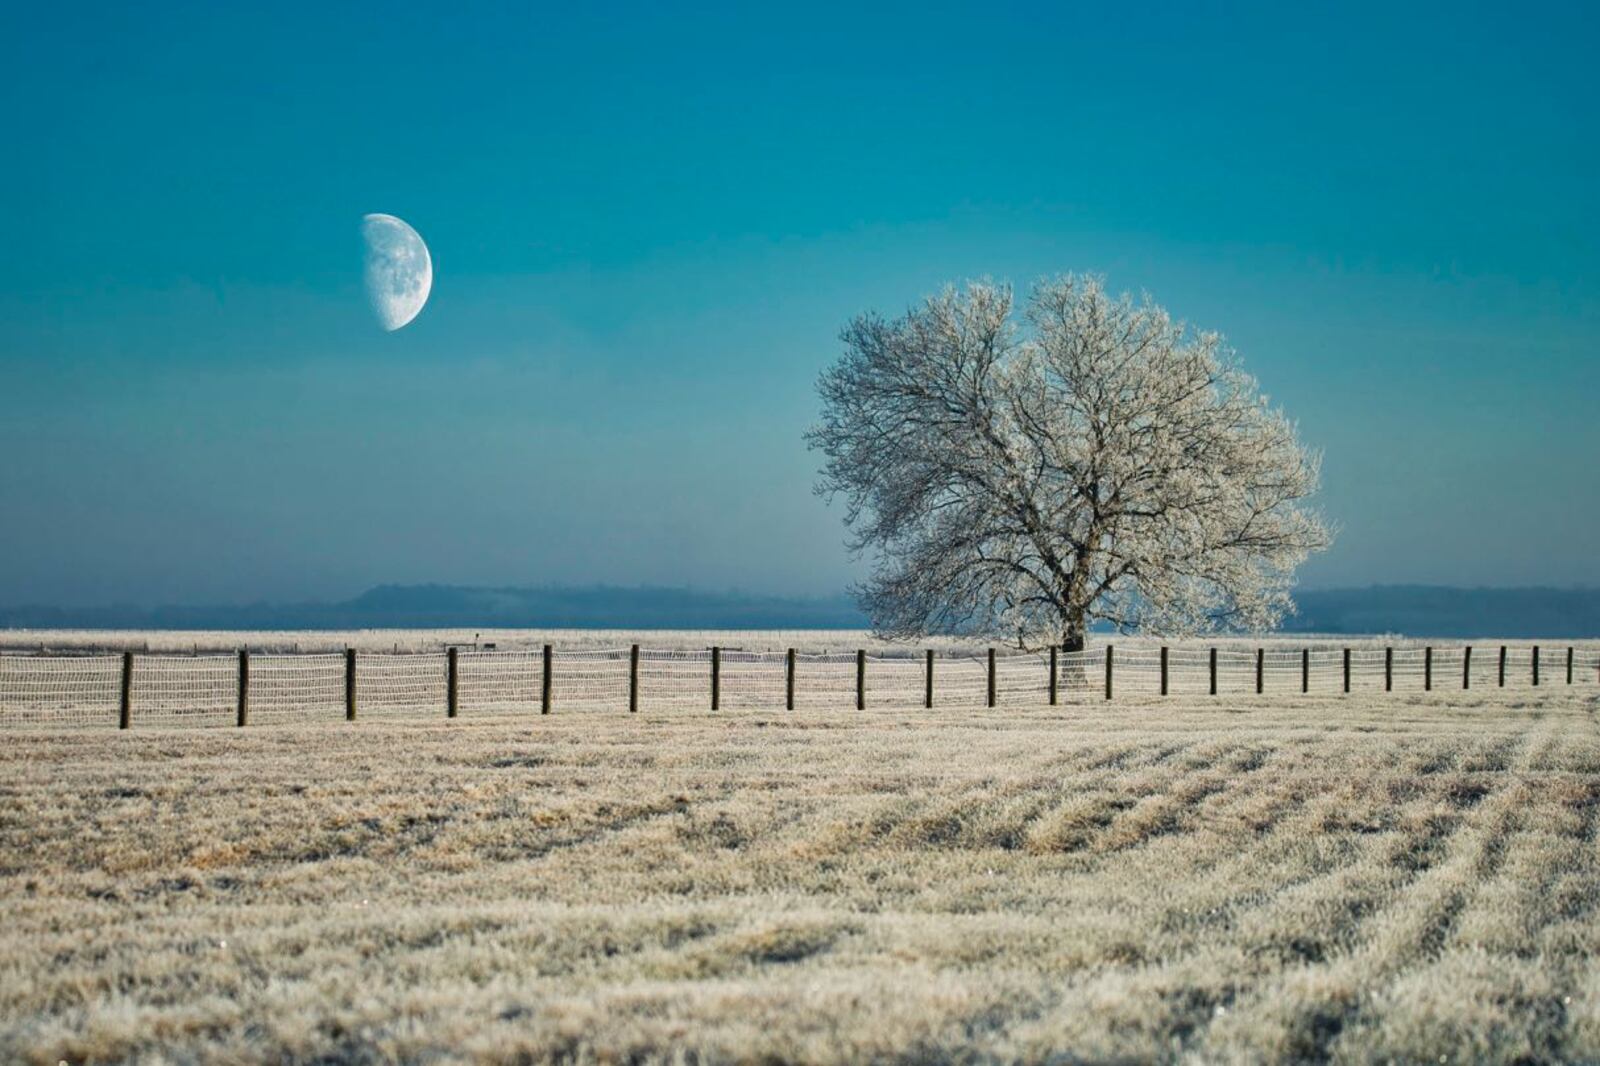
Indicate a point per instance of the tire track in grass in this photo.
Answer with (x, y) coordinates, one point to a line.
(1344, 883)
(1421, 937)
(1118, 759)
(1554, 840)
(1174, 807)
(1079, 819)
(1000, 813)
(1215, 904)
(1195, 977)
(1431, 838)
(1186, 1008)
(1585, 900)
(1537, 908)
(1262, 862)
(1308, 1012)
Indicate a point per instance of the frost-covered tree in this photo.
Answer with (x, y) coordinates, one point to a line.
(1094, 461)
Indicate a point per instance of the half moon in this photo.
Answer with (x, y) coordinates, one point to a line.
(399, 271)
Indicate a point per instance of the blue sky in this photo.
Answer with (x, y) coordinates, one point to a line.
(648, 227)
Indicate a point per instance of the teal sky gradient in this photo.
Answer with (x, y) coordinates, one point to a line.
(647, 228)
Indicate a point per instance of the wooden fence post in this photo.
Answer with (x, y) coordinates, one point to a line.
(544, 682)
(1109, 652)
(1052, 675)
(927, 695)
(1466, 668)
(1213, 658)
(1388, 669)
(716, 678)
(1305, 670)
(1261, 670)
(125, 712)
(991, 677)
(244, 686)
(1163, 669)
(1569, 665)
(633, 679)
(450, 683)
(349, 684)
(1536, 664)
(1347, 669)
(1427, 669)
(861, 679)
(1502, 666)
(788, 681)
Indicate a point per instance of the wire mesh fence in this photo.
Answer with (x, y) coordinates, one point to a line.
(287, 688)
(106, 691)
(823, 680)
(199, 690)
(70, 691)
(499, 682)
(400, 685)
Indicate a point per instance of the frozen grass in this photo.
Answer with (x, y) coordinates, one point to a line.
(182, 641)
(1223, 881)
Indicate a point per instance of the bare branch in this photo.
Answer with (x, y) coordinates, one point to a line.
(1096, 462)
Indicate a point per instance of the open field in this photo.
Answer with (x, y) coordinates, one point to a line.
(1210, 879)
(431, 640)
(203, 641)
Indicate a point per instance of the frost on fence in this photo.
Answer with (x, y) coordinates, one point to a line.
(751, 680)
(395, 685)
(185, 689)
(500, 682)
(1519, 667)
(589, 680)
(894, 681)
(825, 679)
(1081, 674)
(296, 687)
(203, 690)
(74, 690)
(674, 680)
(960, 680)
(1021, 679)
(1484, 668)
(1327, 671)
(1366, 670)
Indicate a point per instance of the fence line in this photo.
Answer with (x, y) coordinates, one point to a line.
(127, 689)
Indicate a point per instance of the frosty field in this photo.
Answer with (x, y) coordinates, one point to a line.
(1221, 880)
(204, 641)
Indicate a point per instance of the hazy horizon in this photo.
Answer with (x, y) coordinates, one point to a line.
(1441, 611)
(842, 593)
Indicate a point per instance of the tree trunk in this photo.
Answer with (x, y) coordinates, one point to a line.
(1074, 638)
(1074, 629)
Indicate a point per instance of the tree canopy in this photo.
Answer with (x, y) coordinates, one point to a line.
(1087, 460)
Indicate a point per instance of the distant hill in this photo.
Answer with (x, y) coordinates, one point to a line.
(1443, 611)
(1417, 610)
(429, 606)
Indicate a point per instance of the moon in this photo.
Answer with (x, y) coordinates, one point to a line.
(399, 270)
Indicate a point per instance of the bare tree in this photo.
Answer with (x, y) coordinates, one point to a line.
(1095, 461)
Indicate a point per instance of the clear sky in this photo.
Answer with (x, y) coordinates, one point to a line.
(648, 226)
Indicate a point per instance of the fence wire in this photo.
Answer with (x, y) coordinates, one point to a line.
(390, 685)
(70, 691)
(288, 688)
(86, 691)
(499, 682)
(200, 690)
